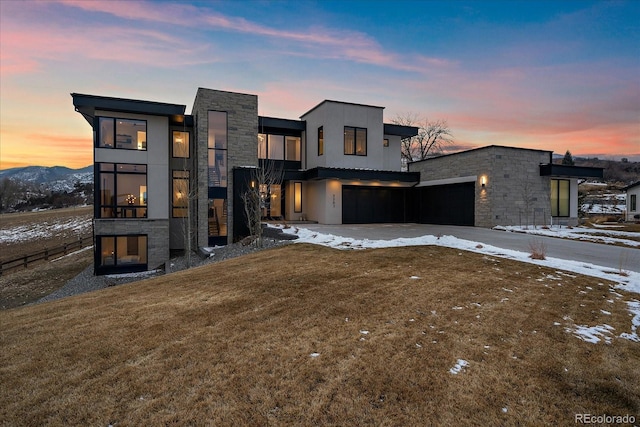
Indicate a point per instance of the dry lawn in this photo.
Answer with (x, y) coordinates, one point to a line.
(43, 221)
(230, 344)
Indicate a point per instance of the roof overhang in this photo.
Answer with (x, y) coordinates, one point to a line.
(320, 173)
(400, 130)
(567, 171)
(88, 104)
(281, 126)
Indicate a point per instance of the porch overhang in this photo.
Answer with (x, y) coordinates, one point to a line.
(566, 171)
(400, 130)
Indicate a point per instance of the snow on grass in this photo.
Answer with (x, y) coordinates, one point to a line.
(45, 229)
(138, 274)
(634, 308)
(460, 365)
(630, 282)
(579, 233)
(592, 333)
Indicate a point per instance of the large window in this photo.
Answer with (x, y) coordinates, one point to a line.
(180, 190)
(180, 145)
(122, 251)
(278, 147)
(121, 190)
(560, 197)
(355, 141)
(217, 144)
(125, 134)
(320, 141)
(297, 197)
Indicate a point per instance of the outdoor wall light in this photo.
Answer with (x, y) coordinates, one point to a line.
(483, 181)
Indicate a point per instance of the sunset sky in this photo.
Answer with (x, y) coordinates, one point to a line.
(553, 75)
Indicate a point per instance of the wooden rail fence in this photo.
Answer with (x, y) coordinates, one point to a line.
(45, 254)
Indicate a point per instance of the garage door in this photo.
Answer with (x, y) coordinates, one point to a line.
(451, 204)
(369, 205)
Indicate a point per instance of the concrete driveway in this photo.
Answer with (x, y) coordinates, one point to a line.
(614, 257)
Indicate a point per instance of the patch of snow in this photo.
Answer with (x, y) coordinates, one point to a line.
(634, 308)
(456, 308)
(591, 333)
(580, 233)
(460, 365)
(363, 332)
(414, 277)
(46, 229)
(314, 354)
(629, 283)
(605, 312)
(505, 409)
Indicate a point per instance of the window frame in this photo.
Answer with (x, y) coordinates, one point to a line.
(297, 197)
(353, 145)
(103, 268)
(174, 153)
(99, 135)
(176, 208)
(559, 202)
(321, 141)
(633, 202)
(218, 152)
(102, 168)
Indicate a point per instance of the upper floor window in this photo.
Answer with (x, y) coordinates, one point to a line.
(278, 147)
(121, 191)
(180, 146)
(127, 134)
(320, 141)
(217, 152)
(181, 194)
(355, 141)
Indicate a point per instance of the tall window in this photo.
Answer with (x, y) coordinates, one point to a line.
(122, 251)
(122, 190)
(355, 141)
(297, 197)
(180, 146)
(632, 203)
(292, 148)
(180, 190)
(125, 134)
(320, 141)
(560, 197)
(217, 144)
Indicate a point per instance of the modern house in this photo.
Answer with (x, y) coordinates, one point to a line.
(633, 194)
(164, 178)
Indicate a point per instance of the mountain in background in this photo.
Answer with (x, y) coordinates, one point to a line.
(57, 178)
(41, 187)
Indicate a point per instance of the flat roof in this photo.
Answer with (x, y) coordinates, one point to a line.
(484, 148)
(340, 102)
(400, 130)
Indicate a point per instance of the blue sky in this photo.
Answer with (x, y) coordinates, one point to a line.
(553, 75)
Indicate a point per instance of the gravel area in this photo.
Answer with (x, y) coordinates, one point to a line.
(87, 282)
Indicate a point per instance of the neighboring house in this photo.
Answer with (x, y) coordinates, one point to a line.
(633, 208)
(162, 176)
(498, 185)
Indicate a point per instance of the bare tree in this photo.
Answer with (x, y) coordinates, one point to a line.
(256, 198)
(431, 138)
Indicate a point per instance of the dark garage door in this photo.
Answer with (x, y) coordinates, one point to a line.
(451, 204)
(368, 205)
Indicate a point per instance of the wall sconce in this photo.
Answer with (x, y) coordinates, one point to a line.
(483, 181)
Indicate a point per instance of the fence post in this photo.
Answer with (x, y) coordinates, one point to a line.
(46, 254)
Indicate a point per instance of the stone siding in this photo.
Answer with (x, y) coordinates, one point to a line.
(242, 146)
(514, 190)
(156, 230)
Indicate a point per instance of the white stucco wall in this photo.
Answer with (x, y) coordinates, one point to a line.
(333, 117)
(156, 157)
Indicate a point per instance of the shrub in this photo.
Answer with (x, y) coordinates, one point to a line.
(538, 249)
